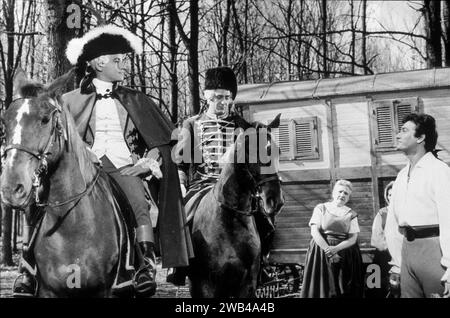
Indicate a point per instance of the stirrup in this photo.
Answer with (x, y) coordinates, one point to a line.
(148, 288)
(24, 294)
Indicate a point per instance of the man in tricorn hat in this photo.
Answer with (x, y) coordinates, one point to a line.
(205, 137)
(131, 138)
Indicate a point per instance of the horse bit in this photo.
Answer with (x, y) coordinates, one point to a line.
(56, 131)
(255, 195)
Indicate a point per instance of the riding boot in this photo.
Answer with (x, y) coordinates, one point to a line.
(178, 276)
(25, 284)
(145, 277)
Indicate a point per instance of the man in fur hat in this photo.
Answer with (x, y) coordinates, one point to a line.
(131, 138)
(206, 137)
(220, 119)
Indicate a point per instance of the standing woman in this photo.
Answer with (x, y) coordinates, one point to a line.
(333, 266)
(381, 254)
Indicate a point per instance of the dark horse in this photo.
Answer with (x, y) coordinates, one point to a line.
(45, 163)
(226, 242)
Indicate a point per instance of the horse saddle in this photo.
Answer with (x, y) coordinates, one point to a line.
(123, 283)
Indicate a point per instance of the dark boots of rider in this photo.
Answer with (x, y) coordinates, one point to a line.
(178, 276)
(25, 284)
(145, 277)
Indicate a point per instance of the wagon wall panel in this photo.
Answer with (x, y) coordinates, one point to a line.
(353, 134)
(439, 108)
(292, 231)
(392, 158)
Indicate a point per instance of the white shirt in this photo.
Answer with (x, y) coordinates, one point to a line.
(378, 238)
(109, 139)
(423, 200)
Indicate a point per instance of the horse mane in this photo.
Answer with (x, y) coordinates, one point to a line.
(76, 145)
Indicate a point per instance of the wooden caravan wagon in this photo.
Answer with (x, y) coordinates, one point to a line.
(342, 128)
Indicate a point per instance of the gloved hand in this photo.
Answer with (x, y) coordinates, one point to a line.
(183, 190)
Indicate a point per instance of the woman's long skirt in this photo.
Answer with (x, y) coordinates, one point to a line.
(323, 279)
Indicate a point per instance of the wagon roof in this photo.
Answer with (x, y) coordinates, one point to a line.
(343, 86)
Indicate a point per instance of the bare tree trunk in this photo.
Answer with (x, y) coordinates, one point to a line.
(192, 48)
(173, 64)
(300, 40)
(433, 30)
(352, 26)
(446, 20)
(363, 42)
(9, 19)
(135, 60)
(324, 38)
(9, 7)
(245, 63)
(160, 66)
(31, 50)
(225, 28)
(143, 61)
(242, 43)
(194, 85)
(58, 34)
(289, 40)
(33, 57)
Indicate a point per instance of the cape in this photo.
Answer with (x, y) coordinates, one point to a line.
(156, 130)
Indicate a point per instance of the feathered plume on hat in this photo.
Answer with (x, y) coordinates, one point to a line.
(221, 77)
(103, 40)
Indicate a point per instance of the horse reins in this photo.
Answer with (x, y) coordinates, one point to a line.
(41, 156)
(56, 132)
(257, 185)
(274, 177)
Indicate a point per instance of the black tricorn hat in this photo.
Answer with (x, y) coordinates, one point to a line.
(221, 78)
(103, 40)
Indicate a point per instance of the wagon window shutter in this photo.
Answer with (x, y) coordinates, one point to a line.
(389, 115)
(404, 108)
(283, 135)
(385, 124)
(306, 138)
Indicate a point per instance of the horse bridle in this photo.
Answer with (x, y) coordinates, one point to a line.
(255, 195)
(41, 155)
(274, 177)
(56, 132)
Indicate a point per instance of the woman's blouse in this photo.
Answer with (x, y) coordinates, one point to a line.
(378, 238)
(332, 219)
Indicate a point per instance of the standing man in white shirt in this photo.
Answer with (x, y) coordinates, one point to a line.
(418, 221)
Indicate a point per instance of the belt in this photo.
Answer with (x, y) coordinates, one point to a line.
(417, 232)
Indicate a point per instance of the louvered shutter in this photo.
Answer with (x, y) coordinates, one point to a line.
(306, 141)
(283, 135)
(402, 109)
(385, 125)
(389, 117)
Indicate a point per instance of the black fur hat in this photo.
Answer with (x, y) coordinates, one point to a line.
(221, 78)
(103, 40)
